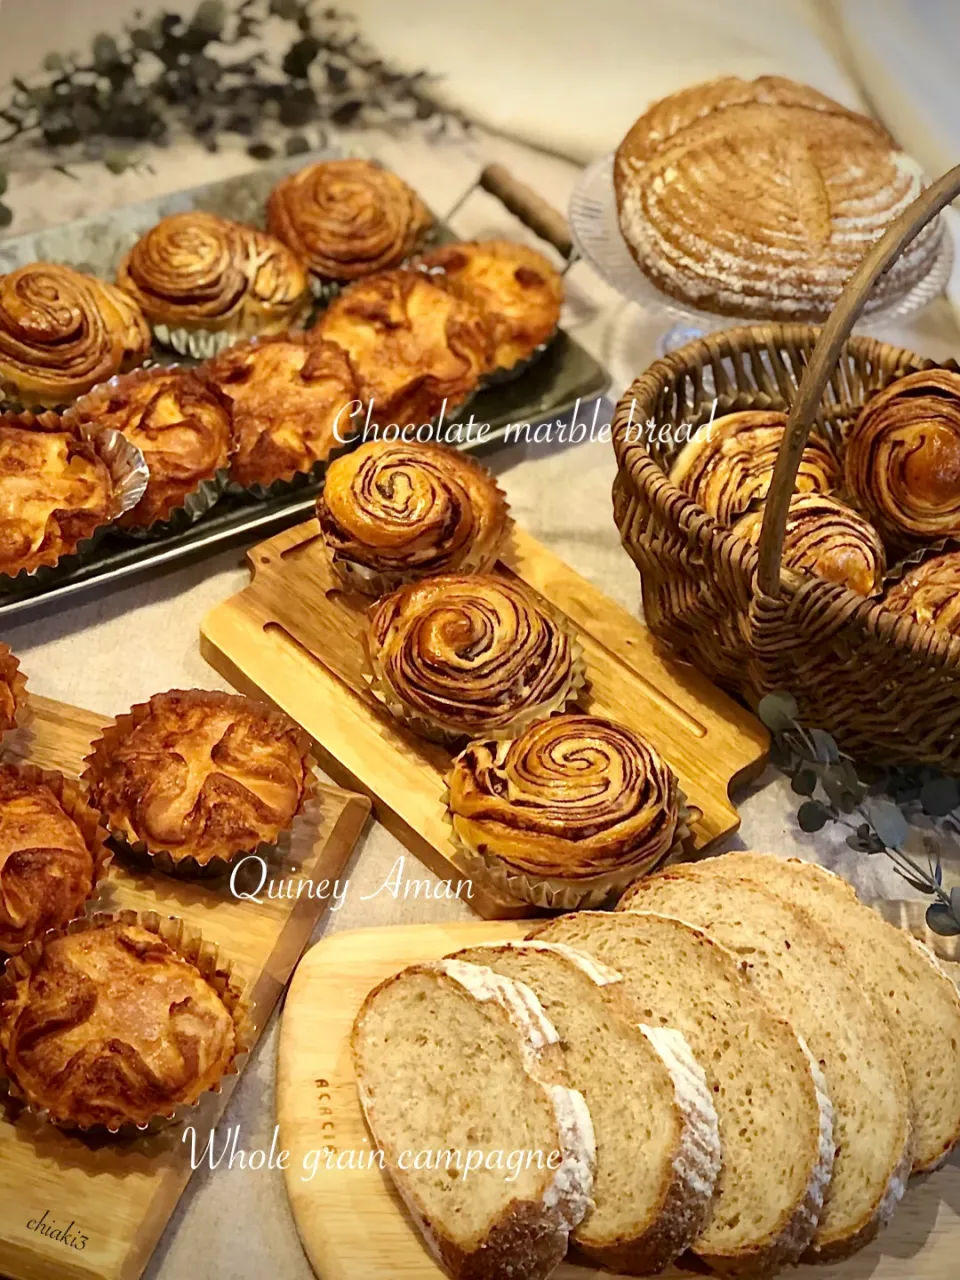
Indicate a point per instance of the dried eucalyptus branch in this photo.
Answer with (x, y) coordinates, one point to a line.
(877, 805)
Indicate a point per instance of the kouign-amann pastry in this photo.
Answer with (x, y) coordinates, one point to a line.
(930, 593)
(62, 332)
(291, 404)
(902, 458)
(13, 688)
(515, 287)
(109, 1025)
(760, 198)
(52, 853)
(196, 774)
(826, 538)
(347, 218)
(392, 513)
(412, 346)
(181, 427)
(728, 468)
(476, 655)
(198, 272)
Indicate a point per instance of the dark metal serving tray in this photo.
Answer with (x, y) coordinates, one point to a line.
(564, 374)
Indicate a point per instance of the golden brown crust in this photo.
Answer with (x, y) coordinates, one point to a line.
(55, 491)
(516, 288)
(348, 218)
(182, 428)
(412, 345)
(930, 593)
(12, 690)
(290, 401)
(197, 270)
(134, 329)
(200, 774)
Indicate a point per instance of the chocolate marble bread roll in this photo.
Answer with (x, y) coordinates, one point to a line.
(930, 593)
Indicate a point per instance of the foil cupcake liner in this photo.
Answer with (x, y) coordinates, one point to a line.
(201, 344)
(900, 568)
(189, 944)
(305, 822)
(13, 674)
(499, 377)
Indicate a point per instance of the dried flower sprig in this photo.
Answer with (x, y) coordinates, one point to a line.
(878, 805)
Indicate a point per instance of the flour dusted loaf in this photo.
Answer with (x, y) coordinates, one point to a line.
(774, 1116)
(806, 976)
(658, 1146)
(451, 1057)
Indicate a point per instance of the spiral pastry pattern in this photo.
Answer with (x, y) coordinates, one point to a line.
(474, 656)
(348, 218)
(391, 513)
(902, 458)
(572, 796)
(728, 469)
(930, 593)
(826, 538)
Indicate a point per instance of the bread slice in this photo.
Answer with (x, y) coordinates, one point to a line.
(774, 1120)
(805, 975)
(921, 1002)
(658, 1148)
(459, 1073)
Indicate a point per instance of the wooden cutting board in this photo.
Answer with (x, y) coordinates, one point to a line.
(351, 1221)
(295, 636)
(118, 1198)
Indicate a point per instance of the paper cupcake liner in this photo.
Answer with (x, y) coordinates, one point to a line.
(918, 556)
(500, 377)
(166, 861)
(189, 944)
(17, 681)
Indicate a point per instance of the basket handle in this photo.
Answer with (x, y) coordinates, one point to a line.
(824, 360)
(529, 206)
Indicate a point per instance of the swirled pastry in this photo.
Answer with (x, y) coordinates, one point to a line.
(902, 458)
(348, 218)
(761, 198)
(930, 593)
(198, 774)
(291, 404)
(412, 346)
(13, 687)
(55, 491)
(515, 287)
(51, 853)
(392, 512)
(826, 538)
(475, 655)
(180, 425)
(62, 332)
(197, 270)
(728, 468)
(110, 1026)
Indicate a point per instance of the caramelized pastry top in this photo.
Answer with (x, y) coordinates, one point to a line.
(411, 344)
(12, 688)
(515, 287)
(348, 218)
(291, 404)
(112, 1027)
(930, 593)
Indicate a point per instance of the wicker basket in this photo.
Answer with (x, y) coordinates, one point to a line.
(886, 687)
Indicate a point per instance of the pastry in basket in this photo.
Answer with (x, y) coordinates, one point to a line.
(52, 853)
(291, 404)
(13, 690)
(195, 778)
(181, 426)
(476, 656)
(515, 287)
(760, 198)
(414, 347)
(391, 513)
(902, 458)
(115, 1023)
(62, 332)
(566, 814)
(348, 218)
(204, 281)
(930, 593)
(728, 468)
(826, 538)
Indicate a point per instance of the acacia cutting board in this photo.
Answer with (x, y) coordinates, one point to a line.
(295, 636)
(118, 1197)
(351, 1221)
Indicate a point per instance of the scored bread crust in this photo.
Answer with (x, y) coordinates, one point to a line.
(529, 1238)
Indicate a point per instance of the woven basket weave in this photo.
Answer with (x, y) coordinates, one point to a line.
(886, 687)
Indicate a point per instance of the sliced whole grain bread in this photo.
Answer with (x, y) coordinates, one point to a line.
(806, 976)
(658, 1147)
(453, 1060)
(774, 1116)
